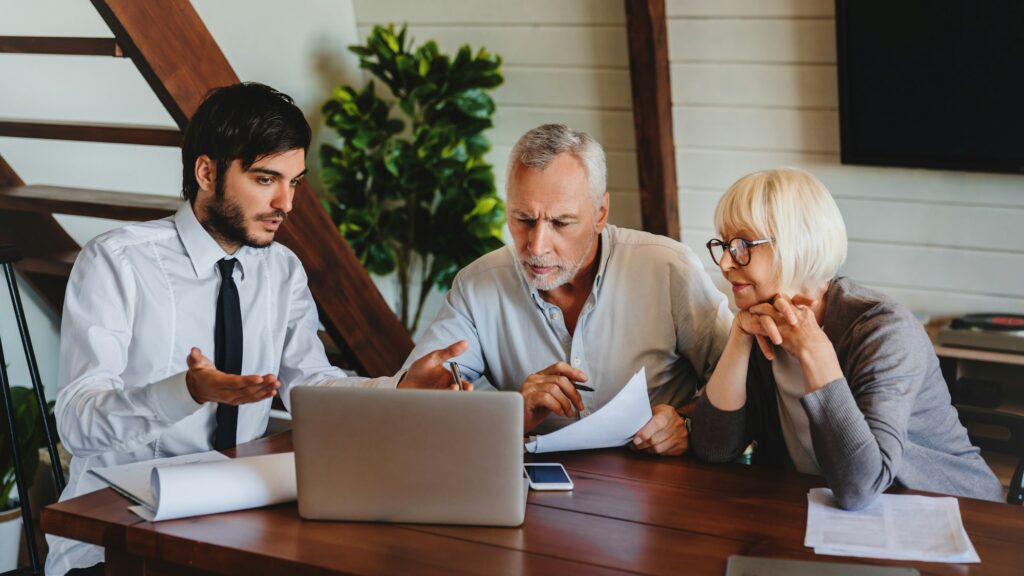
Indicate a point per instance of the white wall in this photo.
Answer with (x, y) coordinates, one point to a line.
(299, 48)
(754, 87)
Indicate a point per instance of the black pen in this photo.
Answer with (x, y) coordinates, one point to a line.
(456, 374)
(581, 388)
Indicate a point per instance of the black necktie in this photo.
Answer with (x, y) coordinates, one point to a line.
(227, 350)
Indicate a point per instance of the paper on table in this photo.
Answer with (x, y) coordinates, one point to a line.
(614, 424)
(900, 527)
(133, 480)
(214, 487)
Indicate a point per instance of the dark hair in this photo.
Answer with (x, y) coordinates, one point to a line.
(245, 122)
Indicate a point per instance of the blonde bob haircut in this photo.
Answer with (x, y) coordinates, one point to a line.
(793, 207)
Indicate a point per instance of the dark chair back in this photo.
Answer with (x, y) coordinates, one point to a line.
(8, 256)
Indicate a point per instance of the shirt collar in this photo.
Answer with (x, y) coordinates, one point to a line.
(604, 253)
(203, 251)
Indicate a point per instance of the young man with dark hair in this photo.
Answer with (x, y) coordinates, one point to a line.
(145, 301)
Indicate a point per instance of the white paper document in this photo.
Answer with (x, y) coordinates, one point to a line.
(207, 483)
(900, 527)
(614, 424)
(133, 480)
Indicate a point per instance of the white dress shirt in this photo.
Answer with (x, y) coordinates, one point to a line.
(652, 306)
(138, 299)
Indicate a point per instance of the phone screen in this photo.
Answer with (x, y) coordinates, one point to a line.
(546, 474)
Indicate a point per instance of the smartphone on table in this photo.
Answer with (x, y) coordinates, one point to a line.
(548, 477)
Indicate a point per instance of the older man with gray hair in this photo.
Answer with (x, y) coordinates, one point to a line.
(570, 310)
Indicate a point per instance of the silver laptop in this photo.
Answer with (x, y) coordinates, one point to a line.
(421, 456)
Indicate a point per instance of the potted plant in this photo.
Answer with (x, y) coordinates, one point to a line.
(30, 433)
(411, 191)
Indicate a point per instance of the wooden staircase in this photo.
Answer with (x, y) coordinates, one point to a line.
(181, 62)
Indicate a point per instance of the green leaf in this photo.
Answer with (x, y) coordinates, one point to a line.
(414, 183)
(392, 42)
(475, 103)
(407, 107)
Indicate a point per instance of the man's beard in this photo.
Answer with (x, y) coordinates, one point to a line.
(227, 220)
(565, 270)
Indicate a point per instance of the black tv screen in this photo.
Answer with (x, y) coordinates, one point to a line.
(932, 83)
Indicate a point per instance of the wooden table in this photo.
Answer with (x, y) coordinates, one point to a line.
(628, 513)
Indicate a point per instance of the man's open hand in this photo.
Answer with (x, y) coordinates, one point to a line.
(207, 384)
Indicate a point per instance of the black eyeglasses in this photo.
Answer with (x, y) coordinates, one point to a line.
(739, 249)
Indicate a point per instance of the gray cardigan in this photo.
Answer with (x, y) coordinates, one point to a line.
(889, 421)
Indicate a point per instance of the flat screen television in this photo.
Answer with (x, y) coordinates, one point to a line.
(932, 83)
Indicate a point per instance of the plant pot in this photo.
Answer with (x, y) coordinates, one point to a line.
(10, 538)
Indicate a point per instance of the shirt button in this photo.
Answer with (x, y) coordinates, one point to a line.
(554, 316)
(576, 361)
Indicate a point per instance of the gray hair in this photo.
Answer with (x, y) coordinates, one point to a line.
(539, 147)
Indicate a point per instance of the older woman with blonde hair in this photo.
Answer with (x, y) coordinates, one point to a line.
(842, 381)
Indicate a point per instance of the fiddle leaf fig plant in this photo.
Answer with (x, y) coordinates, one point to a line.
(409, 187)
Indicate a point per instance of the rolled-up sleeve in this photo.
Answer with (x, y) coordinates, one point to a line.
(453, 322)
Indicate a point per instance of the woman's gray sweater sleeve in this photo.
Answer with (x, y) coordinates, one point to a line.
(859, 423)
(717, 435)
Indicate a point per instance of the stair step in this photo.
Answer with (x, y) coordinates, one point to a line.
(86, 202)
(111, 133)
(59, 264)
(75, 46)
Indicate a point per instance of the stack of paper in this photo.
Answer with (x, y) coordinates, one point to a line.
(899, 527)
(207, 483)
(614, 424)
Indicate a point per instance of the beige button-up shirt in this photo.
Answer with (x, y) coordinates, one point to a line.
(652, 306)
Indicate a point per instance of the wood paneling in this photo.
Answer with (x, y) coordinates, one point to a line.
(621, 167)
(614, 130)
(564, 62)
(755, 85)
(519, 45)
(717, 169)
(782, 41)
(601, 88)
(750, 8)
(757, 128)
(893, 221)
(652, 116)
(755, 88)
(541, 12)
(932, 268)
